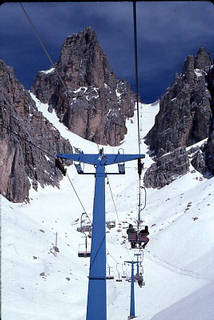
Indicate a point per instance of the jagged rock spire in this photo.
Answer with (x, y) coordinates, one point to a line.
(185, 117)
(203, 59)
(94, 103)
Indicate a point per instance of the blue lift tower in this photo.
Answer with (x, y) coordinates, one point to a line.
(96, 304)
(132, 298)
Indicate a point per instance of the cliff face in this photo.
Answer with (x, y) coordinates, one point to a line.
(21, 163)
(185, 109)
(92, 102)
(210, 150)
(185, 118)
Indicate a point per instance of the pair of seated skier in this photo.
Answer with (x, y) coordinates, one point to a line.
(139, 238)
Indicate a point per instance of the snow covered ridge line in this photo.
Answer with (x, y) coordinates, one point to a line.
(197, 144)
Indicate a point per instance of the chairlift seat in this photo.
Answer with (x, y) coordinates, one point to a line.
(86, 228)
(109, 277)
(84, 254)
(119, 280)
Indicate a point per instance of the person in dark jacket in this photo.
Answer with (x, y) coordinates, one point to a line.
(131, 230)
(143, 237)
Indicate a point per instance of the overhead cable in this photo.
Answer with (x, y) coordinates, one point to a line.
(41, 42)
(112, 197)
(138, 109)
(136, 72)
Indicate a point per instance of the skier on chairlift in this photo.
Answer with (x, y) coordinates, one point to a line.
(143, 237)
(131, 230)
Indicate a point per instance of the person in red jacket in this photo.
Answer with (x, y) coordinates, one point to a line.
(133, 231)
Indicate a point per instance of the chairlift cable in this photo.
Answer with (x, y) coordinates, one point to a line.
(51, 156)
(112, 197)
(41, 42)
(53, 65)
(138, 111)
(33, 144)
(136, 73)
(78, 197)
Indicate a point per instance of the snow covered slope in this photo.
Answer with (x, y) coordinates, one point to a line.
(39, 283)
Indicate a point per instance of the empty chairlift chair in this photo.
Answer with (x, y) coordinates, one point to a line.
(109, 276)
(83, 251)
(119, 279)
(85, 224)
(110, 224)
(124, 273)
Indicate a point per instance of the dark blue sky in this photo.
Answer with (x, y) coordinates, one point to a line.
(167, 32)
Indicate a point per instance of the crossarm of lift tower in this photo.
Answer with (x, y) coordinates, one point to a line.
(100, 159)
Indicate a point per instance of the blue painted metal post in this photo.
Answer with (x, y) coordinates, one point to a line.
(96, 306)
(137, 255)
(132, 297)
(132, 301)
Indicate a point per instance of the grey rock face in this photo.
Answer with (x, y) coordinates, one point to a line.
(210, 80)
(21, 122)
(203, 60)
(92, 102)
(167, 168)
(185, 118)
(185, 109)
(210, 150)
(199, 162)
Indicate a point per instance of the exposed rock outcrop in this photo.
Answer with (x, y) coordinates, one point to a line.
(185, 109)
(23, 163)
(210, 150)
(92, 102)
(198, 161)
(167, 168)
(185, 118)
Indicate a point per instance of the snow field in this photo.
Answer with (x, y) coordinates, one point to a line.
(38, 283)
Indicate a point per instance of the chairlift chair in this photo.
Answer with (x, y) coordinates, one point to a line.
(140, 281)
(123, 274)
(137, 237)
(118, 277)
(85, 252)
(109, 276)
(84, 226)
(110, 224)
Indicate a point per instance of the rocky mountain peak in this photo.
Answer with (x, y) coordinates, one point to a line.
(185, 116)
(203, 59)
(188, 67)
(83, 60)
(94, 104)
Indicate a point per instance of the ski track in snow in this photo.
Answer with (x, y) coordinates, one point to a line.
(172, 262)
(173, 268)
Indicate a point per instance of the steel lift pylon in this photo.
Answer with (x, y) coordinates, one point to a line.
(132, 298)
(96, 303)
